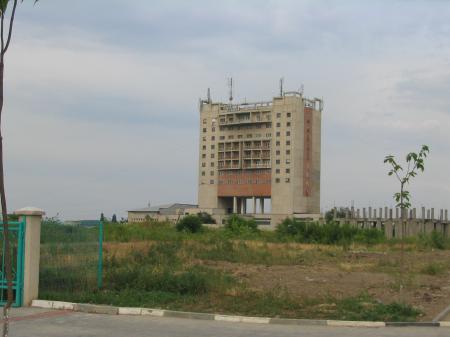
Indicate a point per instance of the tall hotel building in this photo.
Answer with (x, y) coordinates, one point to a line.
(261, 159)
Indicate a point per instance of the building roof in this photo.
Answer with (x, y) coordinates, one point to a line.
(158, 208)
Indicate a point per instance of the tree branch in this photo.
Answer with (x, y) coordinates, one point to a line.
(13, 13)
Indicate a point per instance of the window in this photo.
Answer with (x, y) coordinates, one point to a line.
(212, 164)
(211, 173)
(268, 135)
(204, 129)
(239, 136)
(213, 138)
(278, 133)
(212, 155)
(203, 155)
(211, 182)
(278, 115)
(288, 152)
(278, 161)
(203, 164)
(203, 173)
(288, 133)
(213, 129)
(277, 171)
(288, 161)
(288, 124)
(288, 142)
(230, 137)
(288, 170)
(222, 137)
(204, 138)
(277, 180)
(277, 143)
(204, 121)
(278, 125)
(278, 152)
(288, 114)
(204, 147)
(212, 147)
(287, 180)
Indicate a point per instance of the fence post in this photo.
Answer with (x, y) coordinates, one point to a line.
(32, 217)
(100, 256)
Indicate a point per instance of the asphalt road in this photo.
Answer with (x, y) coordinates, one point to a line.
(36, 322)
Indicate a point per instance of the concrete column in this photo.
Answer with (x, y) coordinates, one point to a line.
(441, 215)
(352, 212)
(334, 213)
(396, 213)
(32, 252)
(234, 205)
(370, 212)
(432, 213)
(243, 202)
(374, 213)
(391, 213)
(386, 213)
(358, 213)
(414, 213)
(254, 205)
(364, 213)
(423, 213)
(261, 205)
(428, 214)
(446, 215)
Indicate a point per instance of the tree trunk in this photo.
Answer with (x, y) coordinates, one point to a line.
(7, 260)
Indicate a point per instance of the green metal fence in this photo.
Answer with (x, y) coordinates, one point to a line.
(71, 258)
(16, 233)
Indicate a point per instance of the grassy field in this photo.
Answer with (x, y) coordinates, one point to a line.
(298, 271)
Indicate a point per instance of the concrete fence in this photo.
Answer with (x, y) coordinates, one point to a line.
(395, 223)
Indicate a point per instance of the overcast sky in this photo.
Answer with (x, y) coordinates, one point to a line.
(101, 111)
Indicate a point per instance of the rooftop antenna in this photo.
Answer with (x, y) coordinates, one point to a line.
(208, 95)
(230, 86)
(281, 87)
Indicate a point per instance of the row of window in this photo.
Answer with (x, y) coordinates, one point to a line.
(288, 124)
(244, 181)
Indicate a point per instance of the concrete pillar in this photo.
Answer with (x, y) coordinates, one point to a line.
(358, 213)
(261, 205)
(386, 215)
(432, 213)
(396, 213)
(243, 205)
(334, 213)
(446, 215)
(352, 214)
(391, 213)
(364, 213)
(234, 205)
(414, 213)
(374, 213)
(428, 214)
(32, 252)
(254, 205)
(441, 215)
(370, 212)
(423, 213)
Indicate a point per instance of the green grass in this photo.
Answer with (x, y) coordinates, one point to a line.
(435, 268)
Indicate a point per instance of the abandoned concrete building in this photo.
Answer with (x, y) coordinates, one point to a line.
(262, 159)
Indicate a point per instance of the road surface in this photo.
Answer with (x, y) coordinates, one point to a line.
(37, 322)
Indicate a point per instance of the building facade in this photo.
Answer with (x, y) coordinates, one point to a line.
(261, 159)
(170, 212)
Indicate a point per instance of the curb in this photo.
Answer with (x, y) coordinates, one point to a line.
(111, 310)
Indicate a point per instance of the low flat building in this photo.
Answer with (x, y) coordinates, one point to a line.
(169, 212)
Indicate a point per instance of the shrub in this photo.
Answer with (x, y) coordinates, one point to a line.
(434, 269)
(434, 240)
(238, 225)
(328, 233)
(190, 223)
(206, 218)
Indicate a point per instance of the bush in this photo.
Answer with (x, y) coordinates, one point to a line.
(238, 225)
(434, 240)
(434, 269)
(190, 223)
(328, 233)
(206, 218)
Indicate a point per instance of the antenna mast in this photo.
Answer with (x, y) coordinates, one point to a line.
(281, 87)
(230, 85)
